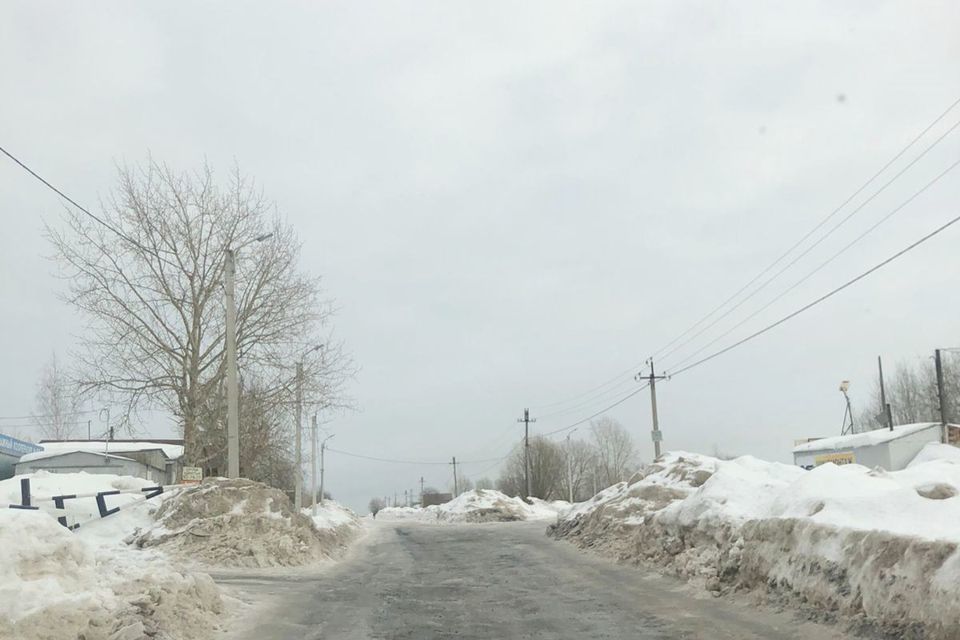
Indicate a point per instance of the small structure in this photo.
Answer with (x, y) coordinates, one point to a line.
(10, 451)
(159, 461)
(436, 498)
(889, 449)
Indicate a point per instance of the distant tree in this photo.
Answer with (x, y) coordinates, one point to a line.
(464, 484)
(547, 469)
(430, 489)
(484, 483)
(57, 403)
(616, 455)
(579, 462)
(375, 505)
(911, 391)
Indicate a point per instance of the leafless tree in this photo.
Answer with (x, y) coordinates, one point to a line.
(57, 403)
(911, 391)
(375, 505)
(616, 454)
(547, 469)
(151, 290)
(463, 485)
(580, 459)
(484, 483)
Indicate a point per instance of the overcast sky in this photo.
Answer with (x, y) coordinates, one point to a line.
(513, 202)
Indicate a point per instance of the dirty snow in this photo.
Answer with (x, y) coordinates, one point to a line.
(55, 583)
(478, 505)
(241, 523)
(878, 546)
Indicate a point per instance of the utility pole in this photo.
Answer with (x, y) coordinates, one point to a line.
(233, 389)
(88, 429)
(526, 420)
(884, 407)
(456, 488)
(656, 435)
(940, 398)
(570, 466)
(313, 465)
(297, 448)
(323, 448)
(421, 491)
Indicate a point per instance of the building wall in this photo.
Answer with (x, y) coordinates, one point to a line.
(7, 463)
(903, 450)
(92, 463)
(892, 455)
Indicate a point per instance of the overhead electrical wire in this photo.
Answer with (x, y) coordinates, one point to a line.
(820, 224)
(598, 413)
(822, 265)
(815, 244)
(826, 296)
(416, 462)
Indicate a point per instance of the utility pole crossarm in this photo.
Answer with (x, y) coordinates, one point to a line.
(526, 420)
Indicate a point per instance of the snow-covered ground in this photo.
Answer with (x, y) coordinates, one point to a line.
(479, 505)
(877, 545)
(101, 581)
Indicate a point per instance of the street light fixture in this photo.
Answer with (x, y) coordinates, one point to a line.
(233, 387)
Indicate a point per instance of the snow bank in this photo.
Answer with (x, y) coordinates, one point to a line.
(241, 523)
(56, 584)
(879, 546)
(479, 505)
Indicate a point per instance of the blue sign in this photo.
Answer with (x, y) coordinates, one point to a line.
(14, 447)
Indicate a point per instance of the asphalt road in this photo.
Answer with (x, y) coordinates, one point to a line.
(497, 581)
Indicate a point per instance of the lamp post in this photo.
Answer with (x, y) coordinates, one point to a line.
(323, 447)
(298, 445)
(233, 389)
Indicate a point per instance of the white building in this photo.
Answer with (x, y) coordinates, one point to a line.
(890, 450)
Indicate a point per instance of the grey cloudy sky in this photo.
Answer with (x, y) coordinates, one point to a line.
(511, 202)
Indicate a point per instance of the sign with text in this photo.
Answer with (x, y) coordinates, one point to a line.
(836, 458)
(189, 475)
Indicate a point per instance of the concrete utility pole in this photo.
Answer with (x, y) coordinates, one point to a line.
(323, 448)
(655, 435)
(230, 339)
(945, 435)
(421, 491)
(233, 388)
(313, 465)
(297, 446)
(526, 420)
(570, 465)
(456, 488)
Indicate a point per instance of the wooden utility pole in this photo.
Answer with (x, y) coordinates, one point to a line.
(940, 398)
(526, 420)
(655, 435)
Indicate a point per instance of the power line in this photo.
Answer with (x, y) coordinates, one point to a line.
(40, 417)
(820, 299)
(601, 412)
(394, 461)
(822, 265)
(93, 216)
(817, 242)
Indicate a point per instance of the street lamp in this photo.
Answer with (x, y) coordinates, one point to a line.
(233, 388)
(298, 448)
(323, 447)
(848, 413)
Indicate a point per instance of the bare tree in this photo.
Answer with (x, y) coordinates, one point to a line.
(484, 483)
(580, 460)
(616, 454)
(547, 470)
(57, 403)
(151, 288)
(911, 391)
(464, 484)
(375, 505)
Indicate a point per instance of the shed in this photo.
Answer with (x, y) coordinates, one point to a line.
(889, 449)
(163, 455)
(90, 462)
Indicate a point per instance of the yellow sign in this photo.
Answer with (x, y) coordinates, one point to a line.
(835, 458)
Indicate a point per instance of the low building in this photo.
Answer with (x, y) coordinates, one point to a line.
(156, 460)
(10, 451)
(430, 499)
(889, 449)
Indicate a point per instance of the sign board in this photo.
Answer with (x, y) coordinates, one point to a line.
(836, 458)
(189, 475)
(657, 436)
(12, 446)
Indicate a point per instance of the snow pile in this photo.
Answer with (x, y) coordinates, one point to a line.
(332, 515)
(878, 546)
(241, 523)
(479, 505)
(57, 584)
